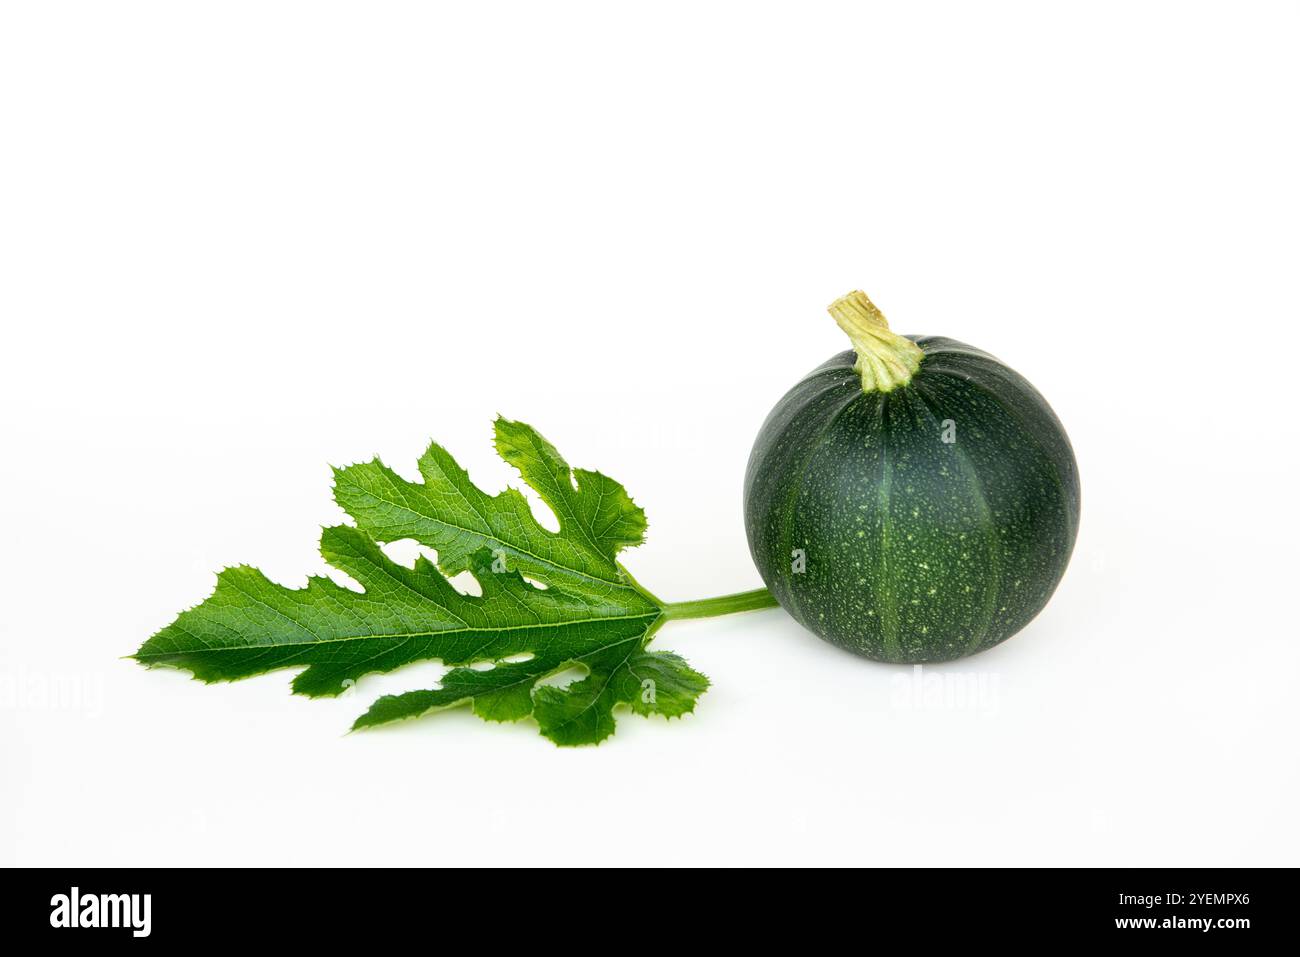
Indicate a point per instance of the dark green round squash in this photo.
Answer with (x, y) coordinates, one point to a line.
(913, 499)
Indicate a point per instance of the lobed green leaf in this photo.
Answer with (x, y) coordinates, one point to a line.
(550, 601)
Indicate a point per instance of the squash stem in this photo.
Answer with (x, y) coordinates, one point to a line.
(724, 605)
(886, 360)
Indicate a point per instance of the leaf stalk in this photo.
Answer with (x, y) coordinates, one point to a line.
(722, 605)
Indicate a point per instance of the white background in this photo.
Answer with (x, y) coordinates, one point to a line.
(241, 241)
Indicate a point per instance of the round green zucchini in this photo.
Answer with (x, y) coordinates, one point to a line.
(912, 499)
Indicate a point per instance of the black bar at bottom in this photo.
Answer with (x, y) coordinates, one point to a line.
(337, 907)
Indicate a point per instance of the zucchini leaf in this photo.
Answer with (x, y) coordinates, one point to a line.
(550, 601)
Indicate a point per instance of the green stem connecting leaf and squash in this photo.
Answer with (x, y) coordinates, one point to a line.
(550, 601)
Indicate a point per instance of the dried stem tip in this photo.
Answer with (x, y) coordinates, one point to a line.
(886, 360)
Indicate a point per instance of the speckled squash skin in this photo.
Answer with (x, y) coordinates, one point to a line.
(913, 548)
